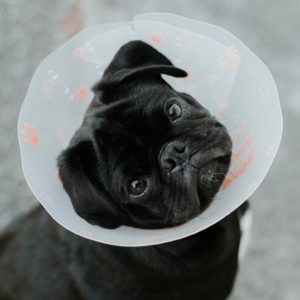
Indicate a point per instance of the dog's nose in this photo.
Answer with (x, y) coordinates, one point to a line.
(173, 155)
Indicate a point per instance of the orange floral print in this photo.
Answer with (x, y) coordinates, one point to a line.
(30, 135)
(81, 94)
(238, 154)
(78, 52)
(238, 171)
(156, 38)
(240, 166)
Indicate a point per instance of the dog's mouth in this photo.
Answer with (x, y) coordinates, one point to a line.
(202, 182)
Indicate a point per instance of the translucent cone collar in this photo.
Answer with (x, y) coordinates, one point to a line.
(224, 76)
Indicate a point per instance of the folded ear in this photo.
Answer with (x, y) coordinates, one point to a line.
(77, 167)
(136, 58)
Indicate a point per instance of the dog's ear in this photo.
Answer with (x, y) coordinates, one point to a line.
(136, 58)
(78, 166)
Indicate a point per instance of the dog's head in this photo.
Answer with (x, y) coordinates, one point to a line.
(146, 155)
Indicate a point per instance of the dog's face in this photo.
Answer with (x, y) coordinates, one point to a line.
(146, 155)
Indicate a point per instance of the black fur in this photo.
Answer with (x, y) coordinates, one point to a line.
(41, 260)
(126, 134)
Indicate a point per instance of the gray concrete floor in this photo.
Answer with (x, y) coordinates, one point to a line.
(29, 30)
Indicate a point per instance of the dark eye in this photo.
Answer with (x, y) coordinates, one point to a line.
(137, 186)
(174, 111)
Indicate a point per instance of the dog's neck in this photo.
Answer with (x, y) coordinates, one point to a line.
(182, 253)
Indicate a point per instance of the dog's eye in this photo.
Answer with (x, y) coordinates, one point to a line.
(174, 111)
(137, 186)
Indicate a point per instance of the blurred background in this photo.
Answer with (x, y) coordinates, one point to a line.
(30, 30)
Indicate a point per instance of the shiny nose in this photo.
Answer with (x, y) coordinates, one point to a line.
(173, 155)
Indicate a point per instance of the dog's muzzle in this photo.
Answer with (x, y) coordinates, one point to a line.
(176, 155)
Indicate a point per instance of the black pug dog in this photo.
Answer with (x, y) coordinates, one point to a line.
(145, 156)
